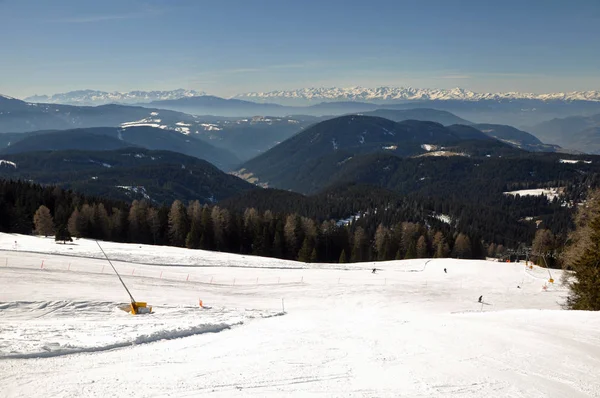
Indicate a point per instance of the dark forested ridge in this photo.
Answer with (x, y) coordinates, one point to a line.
(126, 174)
(109, 138)
(331, 143)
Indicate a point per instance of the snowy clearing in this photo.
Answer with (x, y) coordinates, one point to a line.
(278, 328)
(550, 193)
(443, 153)
(147, 122)
(8, 163)
(574, 161)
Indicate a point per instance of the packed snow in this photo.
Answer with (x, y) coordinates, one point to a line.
(271, 327)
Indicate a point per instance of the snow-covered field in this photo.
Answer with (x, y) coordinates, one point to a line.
(410, 329)
(550, 193)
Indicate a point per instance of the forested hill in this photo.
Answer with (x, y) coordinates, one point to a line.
(109, 138)
(339, 140)
(126, 174)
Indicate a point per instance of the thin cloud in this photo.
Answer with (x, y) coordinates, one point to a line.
(146, 13)
(98, 18)
(455, 77)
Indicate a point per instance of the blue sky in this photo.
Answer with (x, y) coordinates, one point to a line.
(226, 47)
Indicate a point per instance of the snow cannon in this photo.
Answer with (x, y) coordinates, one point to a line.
(139, 307)
(136, 307)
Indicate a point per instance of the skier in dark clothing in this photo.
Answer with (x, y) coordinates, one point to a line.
(445, 271)
(480, 299)
(374, 270)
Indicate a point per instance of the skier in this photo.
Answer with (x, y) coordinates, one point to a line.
(445, 271)
(480, 299)
(374, 270)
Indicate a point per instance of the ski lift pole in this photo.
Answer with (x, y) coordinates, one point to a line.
(119, 276)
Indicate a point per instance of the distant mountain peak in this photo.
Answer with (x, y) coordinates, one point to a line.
(95, 97)
(389, 93)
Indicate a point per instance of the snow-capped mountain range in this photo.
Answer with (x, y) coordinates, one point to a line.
(407, 94)
(94, 97)
(306, 96)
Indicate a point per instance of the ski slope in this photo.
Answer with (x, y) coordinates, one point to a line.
(409, 330)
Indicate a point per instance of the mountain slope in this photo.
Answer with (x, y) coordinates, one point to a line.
(70, 139)
(575, 132)
(140, 136)
(18, 116)
(216, 106)
(320, 147)
(515, 137)
(425, 114)
(130, 173)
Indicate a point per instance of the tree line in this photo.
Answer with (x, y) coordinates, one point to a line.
(27, 208)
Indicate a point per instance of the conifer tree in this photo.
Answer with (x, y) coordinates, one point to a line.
(422, 251)
(462, 246)
(43, 222)
(585, 288)
(411, 252)
(305, 251)
(73, 224)
(62, 234)
(491, 250)
(278, 249)
(360, 246)
(101, 222)
(291, 237)
(343, 258)
(178, 224)
(313, 256)
(153, 221)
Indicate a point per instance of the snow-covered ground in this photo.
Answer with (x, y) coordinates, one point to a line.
(410, 329)
(550, 193)
(574, 161)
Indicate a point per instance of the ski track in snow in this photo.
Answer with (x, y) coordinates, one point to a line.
(410, 329)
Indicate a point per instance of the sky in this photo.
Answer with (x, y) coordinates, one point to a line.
(227, 47)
